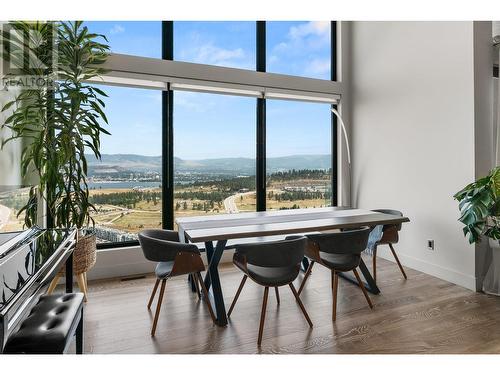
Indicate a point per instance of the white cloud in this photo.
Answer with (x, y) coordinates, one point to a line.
(320, 28)
(273, 59)
(303, 50)
(308, 35)
(194, 101)
(207, 52)
(117, 29)
(318, 67)
(214, 55)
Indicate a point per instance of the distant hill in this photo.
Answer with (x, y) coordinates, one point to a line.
(115, 163)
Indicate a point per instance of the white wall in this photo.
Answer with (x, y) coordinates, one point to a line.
(413, 124)
(484, 145)
(10, 155)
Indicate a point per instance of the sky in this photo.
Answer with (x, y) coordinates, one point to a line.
(219, 126)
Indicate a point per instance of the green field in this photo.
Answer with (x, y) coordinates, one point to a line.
(131, 210)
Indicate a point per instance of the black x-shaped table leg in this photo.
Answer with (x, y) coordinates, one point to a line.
(212, 280)
(370, 284)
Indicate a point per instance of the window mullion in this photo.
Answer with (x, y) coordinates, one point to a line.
(167, 133)
(333, 67)
(260, 181)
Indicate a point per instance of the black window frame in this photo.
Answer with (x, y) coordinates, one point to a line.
(167, 45)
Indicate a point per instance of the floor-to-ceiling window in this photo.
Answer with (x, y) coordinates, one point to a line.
(214, 138)
(214, 154)
(126, 184)
(214, 135)
(299, 155)
(299, 134)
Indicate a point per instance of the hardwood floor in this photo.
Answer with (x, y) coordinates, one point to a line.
(420, 315)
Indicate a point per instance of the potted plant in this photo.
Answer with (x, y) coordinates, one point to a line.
(479, 204)
(59, 122)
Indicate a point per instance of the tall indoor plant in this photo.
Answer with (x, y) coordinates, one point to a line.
(58, 121)
(479, 204)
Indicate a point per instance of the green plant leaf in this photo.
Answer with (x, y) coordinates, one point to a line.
(479, 204)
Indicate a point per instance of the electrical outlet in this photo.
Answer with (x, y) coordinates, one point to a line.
(430, 244)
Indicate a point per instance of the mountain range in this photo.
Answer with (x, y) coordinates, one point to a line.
(115, 163)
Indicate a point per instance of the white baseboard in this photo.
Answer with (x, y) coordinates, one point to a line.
(447, 274)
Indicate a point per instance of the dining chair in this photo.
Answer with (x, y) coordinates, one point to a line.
(387, 234)
(339, 252)
(272, 265)
(174, 258)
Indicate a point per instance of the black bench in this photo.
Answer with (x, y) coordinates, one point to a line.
(50, 326)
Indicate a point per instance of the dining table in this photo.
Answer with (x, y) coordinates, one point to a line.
(220, 232)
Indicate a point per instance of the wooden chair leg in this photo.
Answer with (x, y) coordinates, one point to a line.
(374, 268)
(153, 293)
(277, 294)
(397, 261)
(81, 284)
(297, 298)
(196, 285)
(237, 295)
(306, 276)
(362, 286)
(335, 287)
(205, 296)
(158, 307)
(85, 285)
(263, 315)
(53, 283)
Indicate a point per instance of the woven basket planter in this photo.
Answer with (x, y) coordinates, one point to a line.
(84, 256)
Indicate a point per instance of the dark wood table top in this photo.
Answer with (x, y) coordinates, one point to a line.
(269, 223)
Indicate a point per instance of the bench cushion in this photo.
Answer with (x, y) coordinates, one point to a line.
(50, 325)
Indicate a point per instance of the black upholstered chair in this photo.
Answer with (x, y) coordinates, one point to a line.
(174, 258)
(339, 252)
(270, 264)
(389, 235)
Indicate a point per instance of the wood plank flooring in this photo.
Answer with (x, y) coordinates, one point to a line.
(420, 315)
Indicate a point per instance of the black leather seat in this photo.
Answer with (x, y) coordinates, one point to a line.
(270, 264)
(276, 276)
(339, 252)
(174, 258)
(50, 326)
(163, 269)
(340, 262)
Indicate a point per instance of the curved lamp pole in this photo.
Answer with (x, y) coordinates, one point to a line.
(346, 138)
